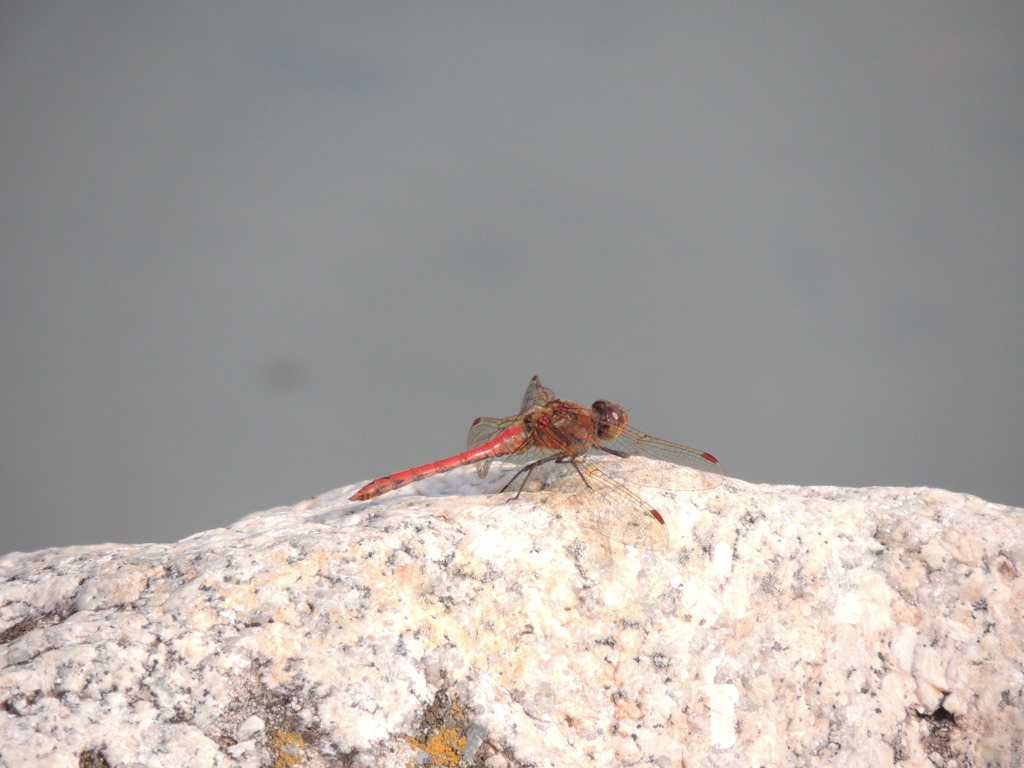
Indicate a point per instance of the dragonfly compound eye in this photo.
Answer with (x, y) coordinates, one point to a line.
(613, 419)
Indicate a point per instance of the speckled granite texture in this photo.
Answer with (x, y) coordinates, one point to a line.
(783, 626)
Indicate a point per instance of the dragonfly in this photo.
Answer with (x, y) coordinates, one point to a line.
(549, 431)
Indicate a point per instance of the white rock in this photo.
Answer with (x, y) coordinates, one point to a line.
(784, 626)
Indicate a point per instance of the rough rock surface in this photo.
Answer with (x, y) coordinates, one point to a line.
(784, 626)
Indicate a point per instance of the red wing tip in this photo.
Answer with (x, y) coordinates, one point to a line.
(710, 458)
(657, 516)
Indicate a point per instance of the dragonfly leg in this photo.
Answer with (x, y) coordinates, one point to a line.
(580, 473)
(528, 469)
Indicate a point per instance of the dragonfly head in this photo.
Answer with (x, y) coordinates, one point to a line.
(612, 417)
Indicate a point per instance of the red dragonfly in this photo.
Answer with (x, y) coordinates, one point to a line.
(547, 430)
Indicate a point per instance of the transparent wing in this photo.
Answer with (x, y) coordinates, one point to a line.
(643, 454)
(485, 429)
(536, 396)
(603, 504)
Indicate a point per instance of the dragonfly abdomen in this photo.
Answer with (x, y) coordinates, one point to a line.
(500, 445)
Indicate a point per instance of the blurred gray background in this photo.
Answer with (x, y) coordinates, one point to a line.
(255, 251)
